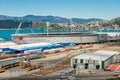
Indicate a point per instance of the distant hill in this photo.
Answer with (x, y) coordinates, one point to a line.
(52, 19)
(10, 24)
(31, 21)
(3, 17)
(116, 21)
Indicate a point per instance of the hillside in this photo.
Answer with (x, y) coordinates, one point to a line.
(57, 23)
(52, 19)
(10, 24)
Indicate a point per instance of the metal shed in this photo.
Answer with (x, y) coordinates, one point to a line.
(99, 59)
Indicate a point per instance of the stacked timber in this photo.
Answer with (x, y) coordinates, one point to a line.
(51, 51)
(33, 67)
(2, 70)
(25, 65)
(86, 46)
(68, 48)
(4, 56)
(10, 65)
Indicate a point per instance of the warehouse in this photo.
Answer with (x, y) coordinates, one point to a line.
(30, 48)
(97, 60)
(74, 37)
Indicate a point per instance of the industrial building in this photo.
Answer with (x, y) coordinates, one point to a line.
(97, 60)
(77, 38)
(30, 48)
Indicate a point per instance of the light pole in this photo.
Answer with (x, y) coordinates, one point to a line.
(47, 25)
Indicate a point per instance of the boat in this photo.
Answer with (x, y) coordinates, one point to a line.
(67, 37)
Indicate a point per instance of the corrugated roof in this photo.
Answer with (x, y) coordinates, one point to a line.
(7, 44)
(99, 55)
(30, 46)
(106, 52)
(109, 33)
(113, 67)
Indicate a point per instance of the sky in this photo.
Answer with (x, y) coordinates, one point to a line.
(103, 9)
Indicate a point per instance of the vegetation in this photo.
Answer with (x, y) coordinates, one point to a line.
(118, 78)
(116, 21)
(112, 23)
(10, 24)
(37, 25)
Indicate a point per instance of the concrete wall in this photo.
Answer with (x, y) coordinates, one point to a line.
(92, 63)
(108, 62)
(89, 39)
(63, 39)
(111, 60)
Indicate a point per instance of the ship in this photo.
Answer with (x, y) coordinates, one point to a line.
(66, 37)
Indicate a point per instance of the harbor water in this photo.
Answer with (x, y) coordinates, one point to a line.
(6, 34)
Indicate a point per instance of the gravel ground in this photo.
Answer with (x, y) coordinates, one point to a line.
(51, 59)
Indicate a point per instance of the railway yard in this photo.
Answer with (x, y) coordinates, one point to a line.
(54, 63)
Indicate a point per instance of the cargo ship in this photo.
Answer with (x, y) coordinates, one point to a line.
(70, 37)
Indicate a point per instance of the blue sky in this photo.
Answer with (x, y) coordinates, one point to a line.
(104, 9)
